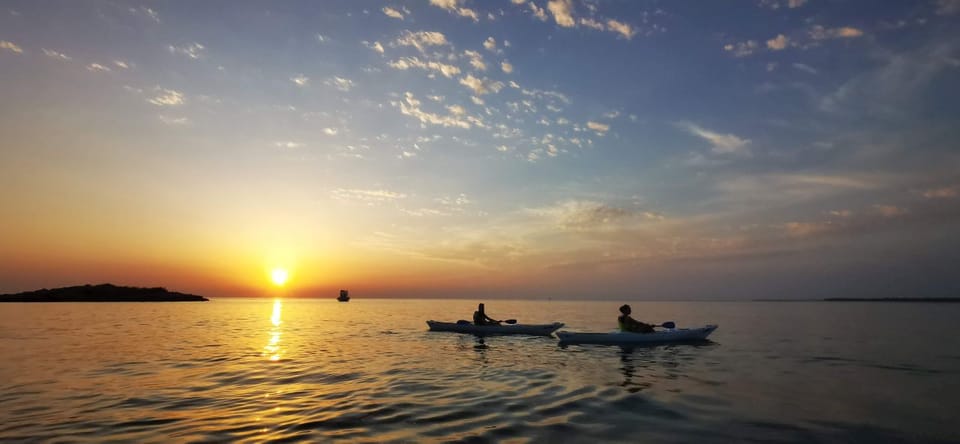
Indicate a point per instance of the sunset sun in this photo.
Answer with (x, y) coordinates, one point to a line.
(279, 276)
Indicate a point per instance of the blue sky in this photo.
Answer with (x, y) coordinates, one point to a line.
(551, 148)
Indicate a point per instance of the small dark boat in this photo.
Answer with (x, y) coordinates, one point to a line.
(344, 296)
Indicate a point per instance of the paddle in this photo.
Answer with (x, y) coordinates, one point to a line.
(668, 324)
(508, 321)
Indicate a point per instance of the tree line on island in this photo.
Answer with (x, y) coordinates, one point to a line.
(101, 293)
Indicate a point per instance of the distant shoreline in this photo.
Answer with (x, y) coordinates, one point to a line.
(924, 300)
(102, 293)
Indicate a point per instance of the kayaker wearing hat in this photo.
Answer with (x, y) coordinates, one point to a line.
(630, 324)
(481, 318)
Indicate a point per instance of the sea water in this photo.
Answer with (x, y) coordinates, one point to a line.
(369, 371)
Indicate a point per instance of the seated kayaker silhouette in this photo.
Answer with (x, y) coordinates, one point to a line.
(630, 324)
(481, 318)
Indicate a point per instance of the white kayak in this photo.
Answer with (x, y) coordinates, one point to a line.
(502, 329)
(620, 337)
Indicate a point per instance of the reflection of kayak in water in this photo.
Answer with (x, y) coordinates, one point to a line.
(661, 336)
(509, 329)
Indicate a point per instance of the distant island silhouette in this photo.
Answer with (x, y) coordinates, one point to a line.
(101, 293)
(934, 300)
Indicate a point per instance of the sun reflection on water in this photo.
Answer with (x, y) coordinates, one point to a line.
(272, 349)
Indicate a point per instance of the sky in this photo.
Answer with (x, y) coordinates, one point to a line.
(639, 150)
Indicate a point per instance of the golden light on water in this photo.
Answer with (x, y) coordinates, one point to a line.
(279, 276)
(272, 349)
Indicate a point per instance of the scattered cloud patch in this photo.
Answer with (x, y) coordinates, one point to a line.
(845, 32)
(448, 71)
(340, 83)
(889, 210)
(300, 80)
(506, 66)
(369, 197)
(481, 86)
(375, 46)
(288, 144)
(942, 193)
(456, 7)
(330, 131)
(778, 43)
(490, 44)
(167, 97)
(562, 11)
(625, 30)
(10, 46)
(144, 11)
(193, 50)
(741, 49)
(392, 13)
(55, 54)
(421, 39)
(600, 128)
(720, 143)
(411, 106)
(476, 60)
(592, 24)
(805, 68)
(95, 67)
(538, 12)
(121, 64)
(174, 121)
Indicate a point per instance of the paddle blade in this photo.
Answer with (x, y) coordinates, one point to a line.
(510, 321)
(668, 324)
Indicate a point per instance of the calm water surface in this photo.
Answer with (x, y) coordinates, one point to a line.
(368, 370)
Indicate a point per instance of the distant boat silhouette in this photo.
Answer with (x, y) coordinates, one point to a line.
(344, 296)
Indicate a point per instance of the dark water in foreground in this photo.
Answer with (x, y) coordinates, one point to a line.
(367, 370)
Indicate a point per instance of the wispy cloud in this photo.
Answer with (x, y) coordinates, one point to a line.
(889, 210)
(366, 196)
(10, 46)
(55, 54)
(413, 62)
(144, 11)
(97, 67)
(778, 43)
(942, 193)
(421, 39)
(300, 80)
(562, 11)
(456, 7)
(192, 50)
(121, 64)
(845, 32)
(625, 30)
(506, 66)
(289, 144)
(392, 13)
(481, 86)
(476, 60)
(600, 128)
(410, 106)
(805, 68)
(741, 49)
(330, 131)
(490, 44)
(167, 97)
(174, 121)
(538, 12)
(376, 46)
(341, 83)
(720, 143)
